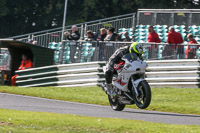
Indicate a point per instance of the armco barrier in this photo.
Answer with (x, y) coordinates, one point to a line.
(160, 73)
(77, 74)
(173, 73)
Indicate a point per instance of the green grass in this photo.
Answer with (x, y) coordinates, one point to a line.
(40, 122)
(178, 100)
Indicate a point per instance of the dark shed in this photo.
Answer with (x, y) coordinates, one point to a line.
(40, 56)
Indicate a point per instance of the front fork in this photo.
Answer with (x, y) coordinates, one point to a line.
(134, 88)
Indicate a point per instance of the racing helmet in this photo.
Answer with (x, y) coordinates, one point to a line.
(136, 47)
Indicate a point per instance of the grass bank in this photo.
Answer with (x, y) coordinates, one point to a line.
(178, 100)
(40, 122)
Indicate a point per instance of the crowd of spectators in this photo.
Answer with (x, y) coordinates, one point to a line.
(110, 35)
(105, 35)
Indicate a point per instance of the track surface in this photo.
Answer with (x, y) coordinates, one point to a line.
(27, 103)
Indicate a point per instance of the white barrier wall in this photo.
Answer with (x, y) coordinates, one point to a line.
(164, 73)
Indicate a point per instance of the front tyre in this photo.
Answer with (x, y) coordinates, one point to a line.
(144, 98)
(115, 105)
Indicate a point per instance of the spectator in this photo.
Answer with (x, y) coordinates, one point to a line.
(153, 37)
(175, 38)
(111, 35)
(126, 39)
(90, 36)
(191, 50)
(75, 35)
(103, 34)
(25, 64)
(191, 39)
(32, 41)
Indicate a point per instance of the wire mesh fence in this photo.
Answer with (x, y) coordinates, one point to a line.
(168, 17)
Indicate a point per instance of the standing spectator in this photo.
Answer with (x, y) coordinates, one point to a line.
(109, 47)
(191, 50)
(111, 35)
(175, 38)
(103, 34)
(25, 64)
(90, 36)
(153, 37)
(126, 39)
(75, 35)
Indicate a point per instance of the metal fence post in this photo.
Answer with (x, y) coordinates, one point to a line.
(133, 24)
(82, 32)
(63, 28)
(189, 20)
(155, 18)
(172, 19)
(138, 17)
(85, 30)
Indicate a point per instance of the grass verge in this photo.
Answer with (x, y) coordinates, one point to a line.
(40, 122)
(178, 100)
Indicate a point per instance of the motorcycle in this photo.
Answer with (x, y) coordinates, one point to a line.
(129, 84)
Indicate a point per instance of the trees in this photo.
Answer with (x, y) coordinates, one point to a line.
(30, 16)
(26, 16)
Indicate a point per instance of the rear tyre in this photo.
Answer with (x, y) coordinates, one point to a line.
(143, 100)
(115, 105)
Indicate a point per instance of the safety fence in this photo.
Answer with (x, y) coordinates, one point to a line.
(43, 38)
(84, 51)
(65, 75)
(159, 73)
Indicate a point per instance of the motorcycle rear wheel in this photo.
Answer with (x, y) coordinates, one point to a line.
(144, 98)
(115, 105)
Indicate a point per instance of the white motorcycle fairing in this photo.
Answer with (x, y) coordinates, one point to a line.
(125, 74)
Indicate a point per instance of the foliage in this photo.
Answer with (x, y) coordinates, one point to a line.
(178, 100)
(26, 16)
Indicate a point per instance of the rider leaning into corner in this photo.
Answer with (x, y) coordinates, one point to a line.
(135, 49)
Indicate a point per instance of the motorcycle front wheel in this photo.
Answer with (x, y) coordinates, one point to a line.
(115, 105)
(144, 98)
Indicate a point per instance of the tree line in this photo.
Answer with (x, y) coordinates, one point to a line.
(26, 16)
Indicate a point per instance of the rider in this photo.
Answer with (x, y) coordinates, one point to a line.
(135, 48)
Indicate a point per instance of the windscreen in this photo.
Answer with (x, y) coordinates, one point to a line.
(130, 57)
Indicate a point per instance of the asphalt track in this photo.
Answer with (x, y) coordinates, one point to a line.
(28, 103)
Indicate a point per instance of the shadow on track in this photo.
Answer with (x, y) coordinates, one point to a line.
(164, 114)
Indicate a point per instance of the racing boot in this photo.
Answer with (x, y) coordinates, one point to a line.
(110, 90)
